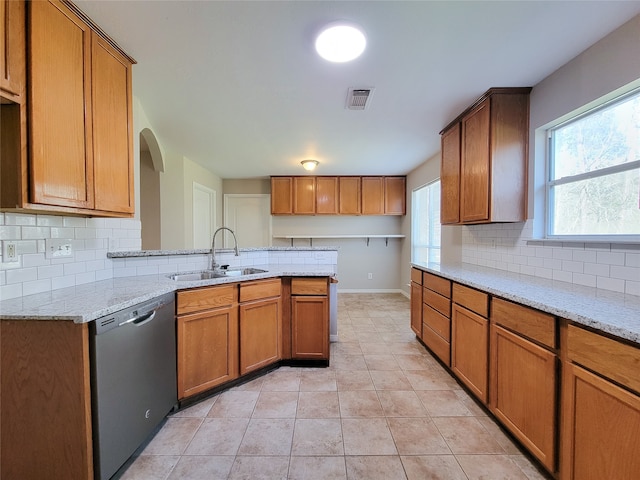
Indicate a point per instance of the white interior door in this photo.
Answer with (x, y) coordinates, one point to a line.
(204, 215)
(249, 216)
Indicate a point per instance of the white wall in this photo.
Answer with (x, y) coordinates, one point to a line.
(601, 71)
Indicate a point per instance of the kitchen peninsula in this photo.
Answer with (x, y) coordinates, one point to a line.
(47, 377)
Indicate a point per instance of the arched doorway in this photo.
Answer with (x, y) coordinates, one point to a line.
(151, 165)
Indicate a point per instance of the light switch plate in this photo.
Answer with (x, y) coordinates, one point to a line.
(58, 248)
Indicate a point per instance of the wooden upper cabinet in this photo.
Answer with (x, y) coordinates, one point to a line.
(372, 195)
(281, 195)
(493, 157)
(112, 128)
(327, 195)
(394, 195)
(304, 195)
(60, 107)
(13, 49)
(350, 196)
(450, 176)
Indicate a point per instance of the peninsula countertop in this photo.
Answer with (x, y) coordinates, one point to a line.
(84, 303)
(610, 312)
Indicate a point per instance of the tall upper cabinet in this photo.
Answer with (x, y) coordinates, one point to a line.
(12, 50)
(80, 126)
(484, 160)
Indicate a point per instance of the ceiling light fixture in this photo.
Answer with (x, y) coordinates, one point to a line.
(309, 164)
(340, 42)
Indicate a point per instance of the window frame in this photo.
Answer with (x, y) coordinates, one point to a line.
(606, 171)
(436, 221)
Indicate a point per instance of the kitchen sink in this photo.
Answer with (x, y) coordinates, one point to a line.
(210, 274)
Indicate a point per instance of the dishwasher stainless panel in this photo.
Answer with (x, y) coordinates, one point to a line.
(133, 368)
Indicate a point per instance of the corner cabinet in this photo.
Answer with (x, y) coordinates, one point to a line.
(79, 118)
(485, 158)
(325, 195)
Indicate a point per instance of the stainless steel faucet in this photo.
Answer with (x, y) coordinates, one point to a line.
(214, 265)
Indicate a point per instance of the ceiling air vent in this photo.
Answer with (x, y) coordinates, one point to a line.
(359, 98)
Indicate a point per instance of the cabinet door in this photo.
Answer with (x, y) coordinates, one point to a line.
(523, 392)
(60, 107)
(207, 350)
(450, 176)
(281, 195)
(394, 195)
(260, 334)
(327, 195)
(372, 196)
(416, 308)
(350, 195)
(304, 195)
(12, 47)
(310, 327)
(112, 128)
(601, 428)
(470, 350)
(475, 168)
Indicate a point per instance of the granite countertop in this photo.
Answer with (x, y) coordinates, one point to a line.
(610, 312)
(205, 251)
(84, 303)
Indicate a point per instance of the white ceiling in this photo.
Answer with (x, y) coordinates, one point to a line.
(237, 87)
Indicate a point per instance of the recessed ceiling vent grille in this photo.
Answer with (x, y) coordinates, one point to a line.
(359, 98)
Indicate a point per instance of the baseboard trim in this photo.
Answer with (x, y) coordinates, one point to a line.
(373, 290)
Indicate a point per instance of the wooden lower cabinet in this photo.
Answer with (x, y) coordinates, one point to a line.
(600, 428)
(45, 420)
(470, 350)
(310, 327)
(207, 349)
(260, 334)
(523, 392)
(416, 308)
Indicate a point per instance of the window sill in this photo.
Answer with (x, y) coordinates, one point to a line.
(598, 244)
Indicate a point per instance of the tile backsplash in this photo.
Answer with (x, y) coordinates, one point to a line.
(511, 247)
(91, 239)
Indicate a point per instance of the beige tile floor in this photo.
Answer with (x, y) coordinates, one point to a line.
(384, 409)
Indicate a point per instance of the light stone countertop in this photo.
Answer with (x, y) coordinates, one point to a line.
(84, 303)
(155, 253)
(611, 312)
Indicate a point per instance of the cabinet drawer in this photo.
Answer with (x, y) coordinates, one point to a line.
(436, 301)
(437, 284)
(259, 289)
(309, 286)
(199, 299)
(526, 321)
(474, 300)
(438, 322)
(437, 344)
(416, 276)
(618, 361)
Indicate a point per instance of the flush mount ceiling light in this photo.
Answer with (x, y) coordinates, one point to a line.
(309, 164)
(340, 42)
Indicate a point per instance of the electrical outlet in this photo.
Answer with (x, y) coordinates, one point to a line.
(493, 243)
(370, 276)
(9, 251)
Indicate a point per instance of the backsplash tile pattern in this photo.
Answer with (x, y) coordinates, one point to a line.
(511, 247)
(92, 238)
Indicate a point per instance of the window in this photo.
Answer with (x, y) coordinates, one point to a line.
(593, 187)
(425, 223)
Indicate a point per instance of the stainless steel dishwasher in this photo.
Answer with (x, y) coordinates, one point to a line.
(133, 369)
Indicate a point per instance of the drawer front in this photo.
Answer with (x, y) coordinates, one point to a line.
(200, 299)
(416, 276)
(309, 286)
(526, 321)
(618, 361)
(436, 301)
(259, 289)
(440, 347)
(438, 322)
(437, 284)
(474, 300)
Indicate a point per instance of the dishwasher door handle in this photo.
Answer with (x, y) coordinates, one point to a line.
(140, 320)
